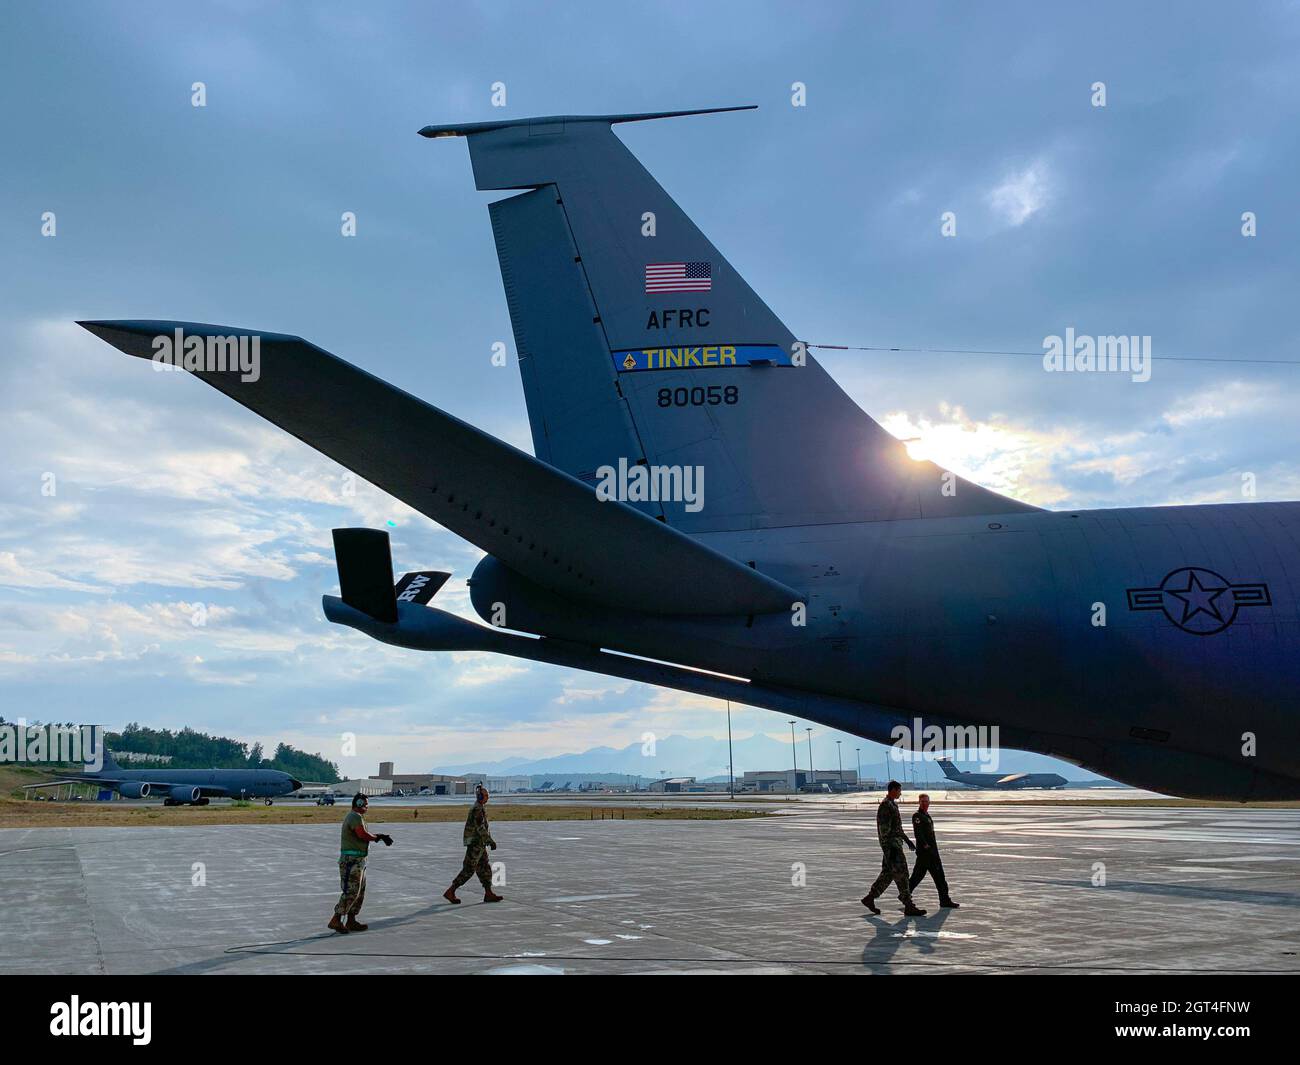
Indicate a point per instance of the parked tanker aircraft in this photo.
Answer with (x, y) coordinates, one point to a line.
(707, 510)
(183, 787)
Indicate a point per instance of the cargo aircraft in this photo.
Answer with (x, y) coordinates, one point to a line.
(707, 510)
(1002, 781)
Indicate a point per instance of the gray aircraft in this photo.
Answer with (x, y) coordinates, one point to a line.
(1002, 781)
(707, 510)
(185, 787)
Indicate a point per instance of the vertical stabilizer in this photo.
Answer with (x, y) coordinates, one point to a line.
(638, 341)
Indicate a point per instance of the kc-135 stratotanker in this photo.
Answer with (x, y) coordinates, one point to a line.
(921, 594)
(182, 787)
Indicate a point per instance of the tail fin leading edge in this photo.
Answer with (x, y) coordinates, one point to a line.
(949, 770)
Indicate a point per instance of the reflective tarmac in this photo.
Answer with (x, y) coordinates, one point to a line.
(1043, 888)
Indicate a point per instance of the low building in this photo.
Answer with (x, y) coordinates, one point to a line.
(673, 785)
(415, 783)
(137, 758)
(365, 785)
(499, 785)
(791, 780)
(430, 783)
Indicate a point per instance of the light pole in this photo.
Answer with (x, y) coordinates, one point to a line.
(731, 758)
(859, 750)
(794, 754)
(839, 754)
(812, 773)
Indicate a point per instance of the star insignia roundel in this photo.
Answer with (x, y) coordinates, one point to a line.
(1198, 600)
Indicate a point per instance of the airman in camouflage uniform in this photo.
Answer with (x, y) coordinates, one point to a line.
(354, 848)
(477, 838)
(893, 866)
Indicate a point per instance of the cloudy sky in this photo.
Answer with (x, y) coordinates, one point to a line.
(171, 505)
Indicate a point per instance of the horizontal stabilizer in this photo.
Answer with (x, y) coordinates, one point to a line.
(420, 588)
(465, 129)
(541, 522)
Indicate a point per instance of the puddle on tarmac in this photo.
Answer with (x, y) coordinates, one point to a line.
(917, 933)
(591, 898)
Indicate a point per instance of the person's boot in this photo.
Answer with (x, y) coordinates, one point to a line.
(912, 910)
(336, 923)
(450, 895)
(869, 902)
(491, 896)
(354, 925)
(948, 904)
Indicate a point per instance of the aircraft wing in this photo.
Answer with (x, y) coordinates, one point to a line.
(158, 786)
(1010, 778)
(541, 522)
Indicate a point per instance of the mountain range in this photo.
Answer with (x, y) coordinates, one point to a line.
(702, 757)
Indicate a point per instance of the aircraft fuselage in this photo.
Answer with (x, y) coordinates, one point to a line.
(234, 783)
(1155, 644)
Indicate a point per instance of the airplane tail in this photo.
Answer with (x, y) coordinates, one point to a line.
(949, 770)
(365, 566)
(640, 345)
(110, 763)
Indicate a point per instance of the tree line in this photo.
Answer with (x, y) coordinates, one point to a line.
(191, 749)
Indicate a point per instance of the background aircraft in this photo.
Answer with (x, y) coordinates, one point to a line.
(1002, 781)
(821, 571)
(185, 787)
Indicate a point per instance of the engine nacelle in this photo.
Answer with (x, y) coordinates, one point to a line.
(184, 793)
(132, 790)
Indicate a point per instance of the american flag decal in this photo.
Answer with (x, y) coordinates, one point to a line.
(678, 277)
